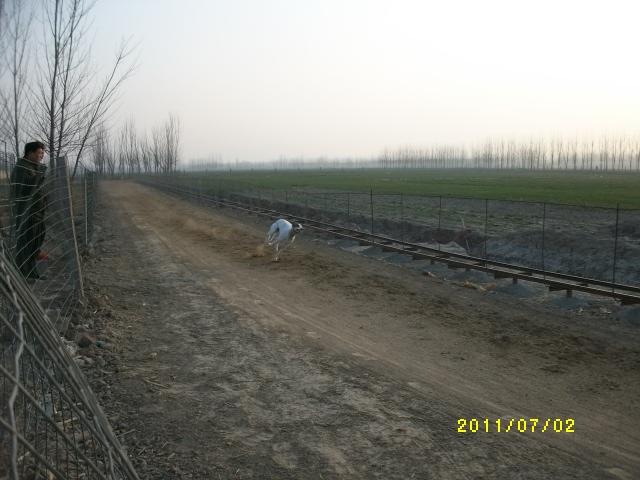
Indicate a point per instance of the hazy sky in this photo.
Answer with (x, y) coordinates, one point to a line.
(254, 80)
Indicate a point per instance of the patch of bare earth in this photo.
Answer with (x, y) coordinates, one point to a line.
(222, 364)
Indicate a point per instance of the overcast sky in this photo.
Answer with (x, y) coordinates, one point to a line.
(254, 80)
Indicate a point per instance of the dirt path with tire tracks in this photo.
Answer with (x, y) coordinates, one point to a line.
(331, 365)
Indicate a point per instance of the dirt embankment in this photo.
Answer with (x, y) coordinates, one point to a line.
(223, 364)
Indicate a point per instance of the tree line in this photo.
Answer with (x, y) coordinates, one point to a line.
(130, 152)
(617, 153)
(607, 153)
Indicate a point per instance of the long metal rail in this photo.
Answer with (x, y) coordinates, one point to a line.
(626, 294)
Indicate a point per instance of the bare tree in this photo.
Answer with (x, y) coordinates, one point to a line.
(100, 149)
(12, 102)
(128, 149)
(542, 155)
(121, 152)
(60, 29)
(604, 153)
(614, 153)
(146, 155)
(3, 17)
(622, 151)
(157, 149)
(67, 103)
(572, 154)
(103, 101)
(171, 143)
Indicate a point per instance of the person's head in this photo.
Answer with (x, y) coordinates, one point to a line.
(34, 151)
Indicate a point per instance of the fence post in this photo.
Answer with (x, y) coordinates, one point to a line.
(348, 205)
(439, 221)
(486, 221)
(544, 220)
(62, 190)
(6, 161)
(86, 211)
(371, 201)
(92, 205)
(615, 247)
(402, 218)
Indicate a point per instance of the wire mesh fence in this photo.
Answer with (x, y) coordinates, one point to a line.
(597, 243)
(39, 228)
(83, 200)
(626, 262)
(51, 425)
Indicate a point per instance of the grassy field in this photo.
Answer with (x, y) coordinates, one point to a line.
(577, 188)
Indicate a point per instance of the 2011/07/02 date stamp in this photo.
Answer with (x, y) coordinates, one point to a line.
(522, 425)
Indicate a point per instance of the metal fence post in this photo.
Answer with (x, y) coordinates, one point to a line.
(439, 221)
(402, 218)
(6, 160)
(86, 211)
(486, 221)
(94, 194)
(544, 220)
(348, 205)
(63, 190)
(371, 199)
(615, 246)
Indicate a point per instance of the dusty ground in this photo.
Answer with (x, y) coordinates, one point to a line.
(223, 364)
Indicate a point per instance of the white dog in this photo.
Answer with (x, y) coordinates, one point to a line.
(281, 235)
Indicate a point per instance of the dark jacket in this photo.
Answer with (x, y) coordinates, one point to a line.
(27, 195)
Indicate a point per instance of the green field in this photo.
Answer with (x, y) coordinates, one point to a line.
(577, 188)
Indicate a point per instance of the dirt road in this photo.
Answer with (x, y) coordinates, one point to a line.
(331, 365)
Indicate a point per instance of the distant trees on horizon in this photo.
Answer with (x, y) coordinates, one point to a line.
(607, 153)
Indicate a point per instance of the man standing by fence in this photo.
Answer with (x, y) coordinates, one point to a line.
(28, 204)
